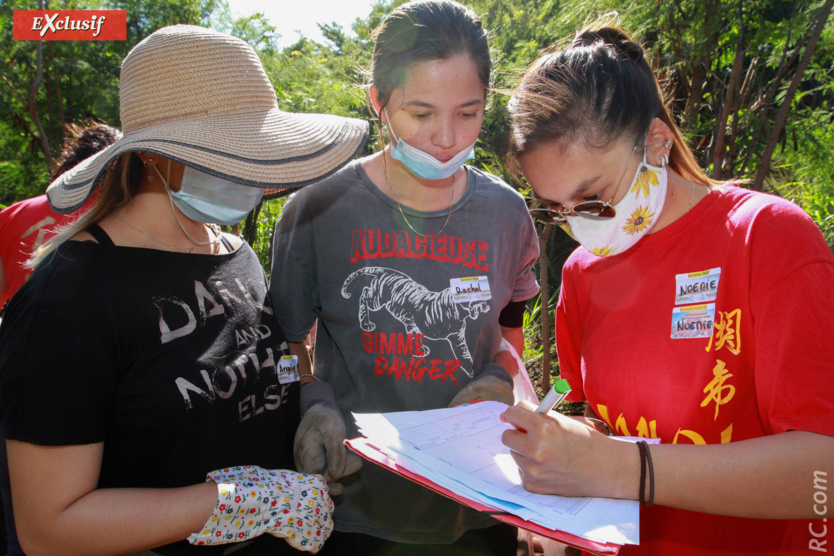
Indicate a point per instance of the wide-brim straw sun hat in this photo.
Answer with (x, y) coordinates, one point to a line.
(202, 98)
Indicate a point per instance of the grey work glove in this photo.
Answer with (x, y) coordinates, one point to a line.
(319, 446)
(494, 384)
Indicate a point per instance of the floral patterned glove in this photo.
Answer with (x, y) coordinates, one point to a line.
(252, 501)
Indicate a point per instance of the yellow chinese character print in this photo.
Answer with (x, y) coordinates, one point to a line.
(691, 435)
(716, 390)
(726, 436)
(727, 332)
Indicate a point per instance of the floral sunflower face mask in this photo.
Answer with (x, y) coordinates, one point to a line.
(636, 213)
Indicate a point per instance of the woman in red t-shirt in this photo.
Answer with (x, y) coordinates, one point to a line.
(694, 312)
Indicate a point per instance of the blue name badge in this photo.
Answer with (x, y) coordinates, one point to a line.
(693, 321)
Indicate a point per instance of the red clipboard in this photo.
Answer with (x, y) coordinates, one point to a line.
(364, 448)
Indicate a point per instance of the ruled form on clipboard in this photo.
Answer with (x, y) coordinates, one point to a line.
(458, 452)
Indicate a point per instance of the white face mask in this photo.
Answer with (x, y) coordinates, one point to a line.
(637, 213)
(422, 164)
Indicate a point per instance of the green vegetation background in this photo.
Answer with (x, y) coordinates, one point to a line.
(750, 82)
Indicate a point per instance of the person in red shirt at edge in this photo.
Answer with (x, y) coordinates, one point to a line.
(25, 225)
(695, 312)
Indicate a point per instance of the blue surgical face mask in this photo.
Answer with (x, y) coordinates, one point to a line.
(422, 164)
(210, 199)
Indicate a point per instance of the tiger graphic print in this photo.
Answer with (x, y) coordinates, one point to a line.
(435, 315)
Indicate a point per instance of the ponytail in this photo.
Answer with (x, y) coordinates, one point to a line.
(600, 90)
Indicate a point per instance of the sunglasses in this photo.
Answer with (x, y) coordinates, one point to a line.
(592, 209)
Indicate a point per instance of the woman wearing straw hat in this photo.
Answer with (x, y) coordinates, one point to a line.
(146, 390)
(414, 265)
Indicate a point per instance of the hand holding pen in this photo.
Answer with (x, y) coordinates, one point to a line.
(557, 454)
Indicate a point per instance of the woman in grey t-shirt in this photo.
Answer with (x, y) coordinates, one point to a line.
(415, 267)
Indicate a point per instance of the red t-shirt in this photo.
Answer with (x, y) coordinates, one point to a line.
(25, 226)
(718, 328)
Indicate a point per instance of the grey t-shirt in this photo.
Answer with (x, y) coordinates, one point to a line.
(405, 321)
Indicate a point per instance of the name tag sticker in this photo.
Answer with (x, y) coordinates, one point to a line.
(697, 287)
(288, 369)
(693, 321)
(475, 288)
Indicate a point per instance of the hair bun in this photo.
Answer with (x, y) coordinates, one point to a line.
(613, 37)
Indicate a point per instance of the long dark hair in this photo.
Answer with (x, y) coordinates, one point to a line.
(82, 142)
(426, 30)
(596, 92)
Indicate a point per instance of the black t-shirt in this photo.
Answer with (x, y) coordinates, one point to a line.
(169, 359)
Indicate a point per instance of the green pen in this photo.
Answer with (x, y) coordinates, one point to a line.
(554, 397)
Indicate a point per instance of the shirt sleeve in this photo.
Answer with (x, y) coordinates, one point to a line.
(526, 286)
(512, 316)
(793, 315)
(293, 285)
(57, 396)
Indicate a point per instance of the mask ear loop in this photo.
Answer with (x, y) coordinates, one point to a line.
(390, 129)
(164, 180)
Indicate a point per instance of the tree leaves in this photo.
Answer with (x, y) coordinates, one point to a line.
(694, 44)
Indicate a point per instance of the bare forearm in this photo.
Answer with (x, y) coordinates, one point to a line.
(771, 477)
(515, 337)
(118, 521)
(305, 367)
(775, 477)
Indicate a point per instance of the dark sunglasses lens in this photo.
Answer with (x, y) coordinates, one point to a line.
(548, 216)
(594, 210)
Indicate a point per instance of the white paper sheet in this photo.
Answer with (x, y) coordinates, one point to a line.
(460, 449)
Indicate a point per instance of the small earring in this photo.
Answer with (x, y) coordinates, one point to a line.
(664, 158)
(148, 164)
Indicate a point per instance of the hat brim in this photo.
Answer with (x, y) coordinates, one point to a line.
(268, 148)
